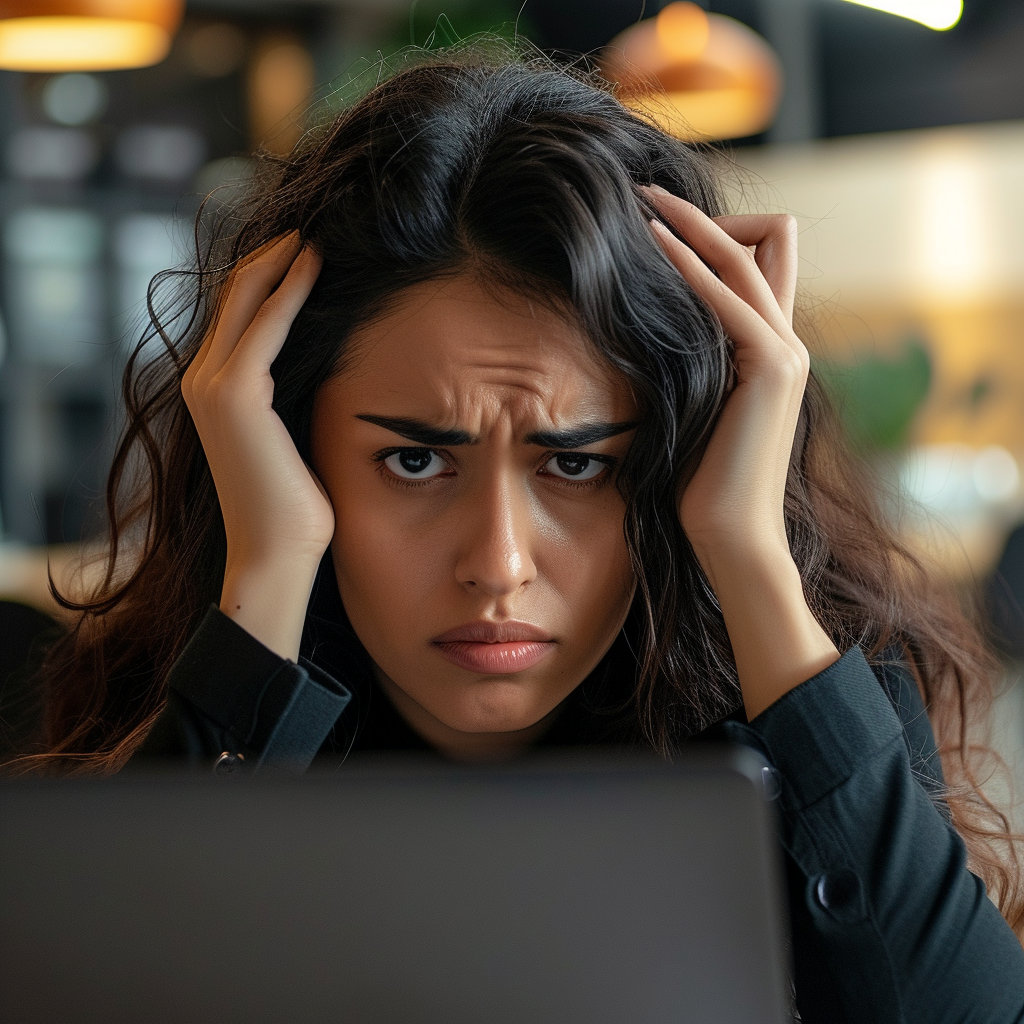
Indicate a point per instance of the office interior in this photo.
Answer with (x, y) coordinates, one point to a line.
(898, 145)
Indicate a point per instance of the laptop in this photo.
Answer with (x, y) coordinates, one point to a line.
(544, 892)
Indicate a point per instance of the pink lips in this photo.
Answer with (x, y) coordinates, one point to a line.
(495, 648)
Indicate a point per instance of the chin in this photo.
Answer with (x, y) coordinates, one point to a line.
(493, 706)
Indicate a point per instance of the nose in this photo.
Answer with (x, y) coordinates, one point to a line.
(496, 534)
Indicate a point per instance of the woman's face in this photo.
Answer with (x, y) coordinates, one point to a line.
(469, 452)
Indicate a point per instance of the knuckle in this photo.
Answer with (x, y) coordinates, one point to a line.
(269, 311)
(788, 368)
(273, 312)
(798, 364)
(727, 245)
(218, 391)
(783, 223)
(739, 256)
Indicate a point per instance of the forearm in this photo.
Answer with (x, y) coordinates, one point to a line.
(777, 642)
(888, 924)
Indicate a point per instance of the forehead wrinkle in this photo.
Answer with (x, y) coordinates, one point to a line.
(549, 374)
(516, 412)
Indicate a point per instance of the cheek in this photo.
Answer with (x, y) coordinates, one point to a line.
(386, 572)
(590, 570)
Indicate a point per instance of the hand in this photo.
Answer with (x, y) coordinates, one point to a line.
(732, 508)
(735, 498)
(277, 516)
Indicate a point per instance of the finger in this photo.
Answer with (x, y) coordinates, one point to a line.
(733, 262)
(250, 285)
(199, 359)
(193, 369)
(738, 318)
(263, 338)
(760, 350)
(773, 237)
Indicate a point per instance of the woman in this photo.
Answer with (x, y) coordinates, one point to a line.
(486, 430)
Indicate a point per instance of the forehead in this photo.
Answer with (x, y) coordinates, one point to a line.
(460, 351)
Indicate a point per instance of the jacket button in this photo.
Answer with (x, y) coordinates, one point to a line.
(771, 779)
(839, 894)
(228, 763)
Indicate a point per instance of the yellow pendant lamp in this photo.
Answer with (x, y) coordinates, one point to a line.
(700, 76)
(86, 35)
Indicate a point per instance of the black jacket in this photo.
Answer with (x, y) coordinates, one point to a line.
(888, 924)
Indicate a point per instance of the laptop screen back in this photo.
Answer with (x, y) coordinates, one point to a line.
(561, 892)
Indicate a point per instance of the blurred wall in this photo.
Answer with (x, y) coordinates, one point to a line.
(916, 236)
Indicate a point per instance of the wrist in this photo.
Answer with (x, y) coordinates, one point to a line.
(777, 641)
(729, 558)
(269, 600)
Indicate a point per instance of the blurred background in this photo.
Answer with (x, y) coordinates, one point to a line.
(892, 129)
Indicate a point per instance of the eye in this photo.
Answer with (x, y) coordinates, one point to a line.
(575, 466)
(415, 464)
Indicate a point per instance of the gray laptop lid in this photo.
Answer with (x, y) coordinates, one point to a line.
(553, 892)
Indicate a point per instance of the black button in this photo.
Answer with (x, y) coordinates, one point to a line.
(771, 779)
(228, 763)
(839, 895)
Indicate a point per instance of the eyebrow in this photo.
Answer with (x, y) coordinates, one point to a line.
(420, 432)
(578, 437)
(426, 434)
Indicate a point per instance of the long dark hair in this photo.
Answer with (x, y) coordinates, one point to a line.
(487, 160)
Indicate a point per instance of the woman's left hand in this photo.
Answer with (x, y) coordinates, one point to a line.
(734, 500)
(732, 507)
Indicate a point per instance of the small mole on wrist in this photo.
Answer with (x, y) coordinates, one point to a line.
(238, 607)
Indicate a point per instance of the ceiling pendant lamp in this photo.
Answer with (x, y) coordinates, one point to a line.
(701, 76)
(937, 14)
(86, 35)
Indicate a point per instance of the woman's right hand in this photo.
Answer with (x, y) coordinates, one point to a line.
(277, 516)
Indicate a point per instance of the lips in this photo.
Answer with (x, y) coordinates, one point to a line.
(495, 633)
(495, 648)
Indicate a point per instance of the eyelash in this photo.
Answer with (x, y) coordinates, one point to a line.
(385, 453)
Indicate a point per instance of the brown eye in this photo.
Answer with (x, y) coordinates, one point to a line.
(574, 466)
(415, 464)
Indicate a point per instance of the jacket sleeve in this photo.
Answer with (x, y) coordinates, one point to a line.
(888, 924)
(233, 703)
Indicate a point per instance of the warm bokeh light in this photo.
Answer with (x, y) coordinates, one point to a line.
(80, 44)
(951, 215)
(86, 35)
(700, 76)
(713, 113)
(281, 78)
(216, 50)
(683, 30)
(937, 14)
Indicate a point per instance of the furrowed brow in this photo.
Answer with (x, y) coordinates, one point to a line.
(420, 432)
(578, 437)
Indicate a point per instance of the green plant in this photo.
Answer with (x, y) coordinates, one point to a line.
(878, 397)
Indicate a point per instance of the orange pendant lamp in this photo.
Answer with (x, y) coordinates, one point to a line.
(86, 35)
(701, 76)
